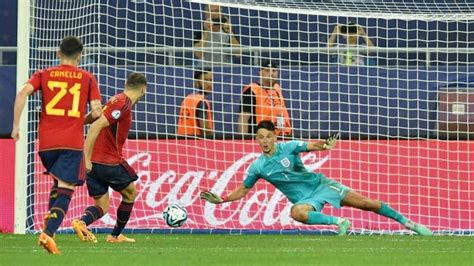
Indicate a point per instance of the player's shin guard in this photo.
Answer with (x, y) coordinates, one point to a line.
(91, 214)
(58, 210)
(319, 218)
(123, 214)
(389, 212)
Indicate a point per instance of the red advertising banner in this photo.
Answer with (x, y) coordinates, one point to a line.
(430, 182)
(7, 187)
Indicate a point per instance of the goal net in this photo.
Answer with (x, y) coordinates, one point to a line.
(394, 79)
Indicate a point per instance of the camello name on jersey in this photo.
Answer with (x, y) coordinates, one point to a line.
(66, 74)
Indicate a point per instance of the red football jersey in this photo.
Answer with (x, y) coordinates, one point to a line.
(66, 90)
(109, 143)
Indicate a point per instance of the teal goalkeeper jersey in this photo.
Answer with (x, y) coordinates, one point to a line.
(285, 170)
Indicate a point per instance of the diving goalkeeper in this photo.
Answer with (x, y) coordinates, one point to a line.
(281, 165)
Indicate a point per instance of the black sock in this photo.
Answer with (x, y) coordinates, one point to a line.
(58, 210)
(53, 194)
(91, 214)
(123, 214)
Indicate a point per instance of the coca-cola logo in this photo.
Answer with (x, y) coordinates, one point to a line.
(175, 185)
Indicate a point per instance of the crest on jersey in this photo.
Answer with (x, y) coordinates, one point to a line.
(285, 162)
(116, 114)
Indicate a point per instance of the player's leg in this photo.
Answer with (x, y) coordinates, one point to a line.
(90, 215)
(98, 189)
(123, 183)
(356, 200)
(332, 192)
(53, 195)
(95, 212)
(308, 214)
(124, 210)
(67, 167)
(47, 242)
(48, 159)
(60, 207)
(55, 217)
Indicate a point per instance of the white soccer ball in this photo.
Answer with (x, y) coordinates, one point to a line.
(175, 215)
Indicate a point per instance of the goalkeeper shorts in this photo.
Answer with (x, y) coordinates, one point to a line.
(328, 191)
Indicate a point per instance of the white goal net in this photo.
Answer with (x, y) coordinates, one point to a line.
(394, 79)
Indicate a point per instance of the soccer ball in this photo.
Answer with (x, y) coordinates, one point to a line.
(175, 215)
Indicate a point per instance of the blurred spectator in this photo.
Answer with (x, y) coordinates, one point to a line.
(195, 116)
(216, 34)
(264, 101)
(351, 33)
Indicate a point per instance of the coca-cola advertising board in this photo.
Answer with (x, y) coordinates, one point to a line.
(429, 181)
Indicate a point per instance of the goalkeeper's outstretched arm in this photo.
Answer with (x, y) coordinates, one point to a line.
(324, 144)
(237, 194)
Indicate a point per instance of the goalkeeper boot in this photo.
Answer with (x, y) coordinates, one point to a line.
(418, 228)
(119, 239)
(343, 226)
(82, 232)
(48, 244)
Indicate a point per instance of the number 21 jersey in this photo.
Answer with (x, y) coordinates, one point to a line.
(66, 90)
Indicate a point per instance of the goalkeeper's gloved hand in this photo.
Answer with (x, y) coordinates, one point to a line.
(331, 142)
(211, 197)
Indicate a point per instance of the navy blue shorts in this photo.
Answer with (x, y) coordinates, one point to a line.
(103, 176)
(65, 165)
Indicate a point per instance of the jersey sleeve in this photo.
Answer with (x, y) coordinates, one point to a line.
(35, 80)
(94, 92)
(252, 177)
(114, 110)
(295, 146)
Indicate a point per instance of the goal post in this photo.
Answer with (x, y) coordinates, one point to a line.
(400, 95)
(21, 148)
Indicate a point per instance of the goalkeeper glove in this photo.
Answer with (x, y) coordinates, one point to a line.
(331, 142)
(212, 197)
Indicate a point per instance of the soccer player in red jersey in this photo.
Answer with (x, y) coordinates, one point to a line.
(106, 165)
(65, 90)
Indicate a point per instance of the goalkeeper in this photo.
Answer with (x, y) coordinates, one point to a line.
(281, 165)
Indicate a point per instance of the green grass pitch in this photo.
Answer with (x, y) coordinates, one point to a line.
(176, 249)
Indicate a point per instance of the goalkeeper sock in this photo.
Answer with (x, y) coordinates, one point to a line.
(123, 214)
(389, 212)
(58, 210)
(319, 218)
(53, 194)
(92, 214)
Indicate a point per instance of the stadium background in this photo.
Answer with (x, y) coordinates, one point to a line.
(416, 96)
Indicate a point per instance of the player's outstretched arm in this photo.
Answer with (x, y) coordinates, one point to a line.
(20, 101)
(327, 144)
(237, 194)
